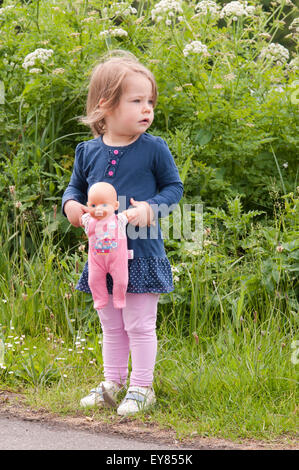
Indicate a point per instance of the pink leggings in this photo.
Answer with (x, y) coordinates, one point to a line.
(130, 329)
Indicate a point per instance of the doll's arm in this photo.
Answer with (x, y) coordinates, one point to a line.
(122, 220)
(85, 221)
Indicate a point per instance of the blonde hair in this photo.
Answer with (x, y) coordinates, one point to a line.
(106, 83)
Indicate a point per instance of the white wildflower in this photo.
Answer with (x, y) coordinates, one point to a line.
(6, 9)
(229, 77)
(266, 36)
(236, 9)
(90, 19)
(39, 55)
(294, 64)
(168, 8)
(285, 165)
(275, 52)
(35, 70)
(58, 71)
(122, 8)
(294, 26)
(116, 32)
(206, 7)
(196, 47)
(175, 269)
(279, 89)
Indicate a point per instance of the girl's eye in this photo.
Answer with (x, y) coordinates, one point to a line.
(104, 205)
(93, 205)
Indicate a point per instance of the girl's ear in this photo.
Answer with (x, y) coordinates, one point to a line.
(102, 103)
(103, 106)
(116, 205)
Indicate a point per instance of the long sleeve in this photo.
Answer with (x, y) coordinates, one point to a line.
(168, 180)
(77, 188)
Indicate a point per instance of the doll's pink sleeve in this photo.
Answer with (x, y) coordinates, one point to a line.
(122, 223)
(85, 220)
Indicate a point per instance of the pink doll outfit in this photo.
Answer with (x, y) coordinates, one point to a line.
(107, 253)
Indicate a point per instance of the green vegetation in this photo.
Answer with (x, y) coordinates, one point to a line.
(228, 108)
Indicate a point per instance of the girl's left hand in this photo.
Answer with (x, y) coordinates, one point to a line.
(141, 214)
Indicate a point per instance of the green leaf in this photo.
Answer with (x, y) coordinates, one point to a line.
(203, 137)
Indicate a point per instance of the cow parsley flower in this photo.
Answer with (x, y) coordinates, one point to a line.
(39, 55)
(35, 70)
(195, 47)
(294, 64)
(6, 9)
(206, 7)
(58, 71)
(294, 28)
(275, 52)
(168, 8)
(117, 32)
(122, 8)
(236, 9)
(295, 25)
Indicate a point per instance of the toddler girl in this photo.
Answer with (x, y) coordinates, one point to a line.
(120, 108)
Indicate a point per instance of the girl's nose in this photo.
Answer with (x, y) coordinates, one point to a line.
(147, 107)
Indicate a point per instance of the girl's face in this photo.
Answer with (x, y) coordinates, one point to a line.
(135, 111)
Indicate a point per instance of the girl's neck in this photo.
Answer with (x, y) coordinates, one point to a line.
(118, 141)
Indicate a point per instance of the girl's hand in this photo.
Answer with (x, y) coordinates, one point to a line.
(141, 214)
(74, 211)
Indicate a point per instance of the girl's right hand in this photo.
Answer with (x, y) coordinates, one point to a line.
(74, 211)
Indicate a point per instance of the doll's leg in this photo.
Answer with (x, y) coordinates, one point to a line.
(115, 344)
(140, 324)
(98, 286)
(120, 285)
(119, 272)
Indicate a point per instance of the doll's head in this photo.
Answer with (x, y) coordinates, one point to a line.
(102, 200)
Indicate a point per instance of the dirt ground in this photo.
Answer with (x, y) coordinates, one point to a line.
(15, 405)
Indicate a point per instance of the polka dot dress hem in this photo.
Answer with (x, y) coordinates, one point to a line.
(146, 275)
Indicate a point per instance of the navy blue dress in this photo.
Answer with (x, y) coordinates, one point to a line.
(144, 170)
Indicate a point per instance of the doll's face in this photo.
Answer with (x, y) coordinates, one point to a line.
(102, 201)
